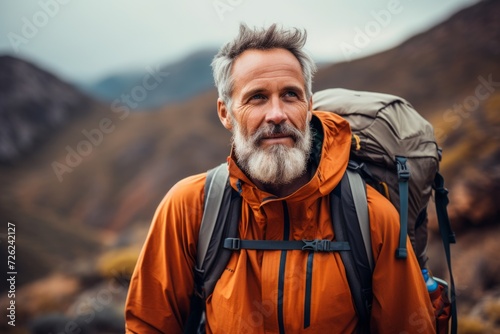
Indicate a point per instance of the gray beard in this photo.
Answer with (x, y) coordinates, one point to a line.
(275, 165)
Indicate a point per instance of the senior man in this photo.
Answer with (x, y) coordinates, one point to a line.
(284, 163)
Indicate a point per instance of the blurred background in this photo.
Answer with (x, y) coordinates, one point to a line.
(104, 105)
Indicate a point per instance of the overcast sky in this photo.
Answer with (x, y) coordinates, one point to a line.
(85, 40)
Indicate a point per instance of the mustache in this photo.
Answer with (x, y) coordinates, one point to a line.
(270, 130)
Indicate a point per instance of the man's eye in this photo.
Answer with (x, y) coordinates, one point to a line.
(257, 97)
(291, 94)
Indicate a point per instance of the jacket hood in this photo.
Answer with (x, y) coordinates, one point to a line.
(330, 153)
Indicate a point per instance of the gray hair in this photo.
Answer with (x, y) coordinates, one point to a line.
(273, 37)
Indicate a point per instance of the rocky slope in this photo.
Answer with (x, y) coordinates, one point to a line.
(33, 105)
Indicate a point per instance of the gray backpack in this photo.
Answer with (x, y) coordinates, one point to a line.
(393, 150)
(399, 156)
(398, 149)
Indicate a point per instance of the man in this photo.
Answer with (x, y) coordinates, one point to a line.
(285, 161)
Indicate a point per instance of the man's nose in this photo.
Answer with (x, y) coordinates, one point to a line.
(276, 113)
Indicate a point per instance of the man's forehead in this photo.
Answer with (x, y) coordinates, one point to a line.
(261, 64)
(253, 59)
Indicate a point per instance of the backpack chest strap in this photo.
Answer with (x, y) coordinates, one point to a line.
(316, 245)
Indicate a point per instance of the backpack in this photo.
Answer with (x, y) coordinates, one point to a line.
(399, 156)
(394, 150)
(394, 142)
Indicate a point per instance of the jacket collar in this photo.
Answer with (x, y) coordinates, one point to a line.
(329, 158)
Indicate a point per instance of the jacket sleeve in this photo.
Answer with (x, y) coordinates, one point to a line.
(401, 303)
(162, 283)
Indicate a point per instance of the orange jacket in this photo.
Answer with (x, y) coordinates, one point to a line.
(262, 290)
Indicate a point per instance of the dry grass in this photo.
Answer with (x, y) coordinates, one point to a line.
(119, 262)
(472, 325)
(492, 311)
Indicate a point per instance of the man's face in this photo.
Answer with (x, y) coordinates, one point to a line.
(270, 114)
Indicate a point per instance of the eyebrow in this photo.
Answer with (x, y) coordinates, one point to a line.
(253, 91)
(294, 88)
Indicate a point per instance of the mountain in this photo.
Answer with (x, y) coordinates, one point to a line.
(434, 69)
(93, 187)
(35, 108)
(33, 105)
(170, 83)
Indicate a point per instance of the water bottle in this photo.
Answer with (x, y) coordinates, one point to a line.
(429, 281)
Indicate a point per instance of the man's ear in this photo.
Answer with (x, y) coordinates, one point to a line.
(309, 111)
(224, 114)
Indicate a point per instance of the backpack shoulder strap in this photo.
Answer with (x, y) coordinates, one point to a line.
(403, 177)
(349, 209)
(221, 212)
(448, 237)
(358, 190)
(223, 205)
(215, 185)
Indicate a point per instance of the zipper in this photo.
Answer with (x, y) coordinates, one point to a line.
(281, 277)
(307, 301)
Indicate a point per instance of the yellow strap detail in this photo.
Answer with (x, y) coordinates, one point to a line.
(358, 141)
(386, 190)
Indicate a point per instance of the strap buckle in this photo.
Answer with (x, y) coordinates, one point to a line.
(232, 243)
(316, 245)
(403, 170)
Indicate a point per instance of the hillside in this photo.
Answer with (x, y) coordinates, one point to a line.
(35, 108)
(169, 83)
(31, 110)
(87, 194)
(435, 69)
